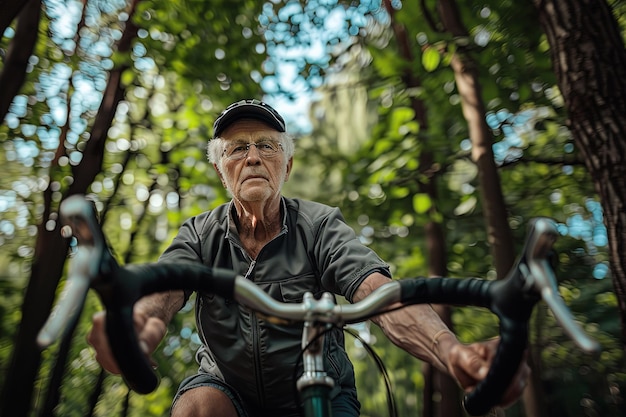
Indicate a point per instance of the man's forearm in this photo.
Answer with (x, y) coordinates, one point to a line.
(162, 305)
(420, 331)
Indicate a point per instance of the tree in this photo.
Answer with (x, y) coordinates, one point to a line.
(21, 48)
(51, 248)
(589, 60)
(467, 76)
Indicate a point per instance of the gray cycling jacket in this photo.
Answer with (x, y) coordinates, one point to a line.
(315, 251)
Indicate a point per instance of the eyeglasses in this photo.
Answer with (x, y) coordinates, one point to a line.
(237, 151)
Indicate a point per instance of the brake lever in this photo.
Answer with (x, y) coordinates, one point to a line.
(539, 275)
(513, 300)
(95, 267)
(79, 219)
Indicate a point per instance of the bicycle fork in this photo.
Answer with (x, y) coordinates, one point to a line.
(314, 385)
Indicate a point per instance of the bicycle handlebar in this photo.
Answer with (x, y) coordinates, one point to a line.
(511, 299)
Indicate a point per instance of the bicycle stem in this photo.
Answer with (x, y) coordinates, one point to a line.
(314, 384)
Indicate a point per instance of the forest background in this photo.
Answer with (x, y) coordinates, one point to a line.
(439, 127)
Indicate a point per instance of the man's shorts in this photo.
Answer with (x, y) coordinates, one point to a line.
(343, 405)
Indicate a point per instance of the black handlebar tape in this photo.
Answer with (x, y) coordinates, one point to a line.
(506, 298)
(489, 392)
(135, 281)
(452, 291)
(512, 300)
(193, 276)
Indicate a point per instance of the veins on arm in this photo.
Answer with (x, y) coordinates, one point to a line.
(417, 329)
(162, 305)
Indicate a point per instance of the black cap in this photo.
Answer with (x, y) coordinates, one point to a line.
(250, 108)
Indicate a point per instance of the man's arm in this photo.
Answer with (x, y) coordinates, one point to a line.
(419, 330)
(151, 314)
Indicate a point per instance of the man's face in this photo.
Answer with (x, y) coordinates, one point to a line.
(254, 178)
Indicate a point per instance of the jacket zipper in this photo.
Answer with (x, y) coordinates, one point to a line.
(256, 350)
(199, 325)
(254, 326)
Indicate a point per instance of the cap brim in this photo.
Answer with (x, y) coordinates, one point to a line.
(248, 110)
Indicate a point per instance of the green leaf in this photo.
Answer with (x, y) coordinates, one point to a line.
(421, 203)
(431, 59)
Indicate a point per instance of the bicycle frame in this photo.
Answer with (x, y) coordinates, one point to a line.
(512, 300)
(315, 385)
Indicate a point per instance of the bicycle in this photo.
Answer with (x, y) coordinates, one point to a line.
(512, 300)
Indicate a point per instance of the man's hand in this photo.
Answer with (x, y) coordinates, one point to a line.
(150, 331)
(469, 364)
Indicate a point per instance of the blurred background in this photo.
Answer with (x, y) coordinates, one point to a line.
(439, 127)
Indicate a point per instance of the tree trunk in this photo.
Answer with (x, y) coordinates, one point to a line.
(47, 266)
(10, 10)
(448, 404)
(53, 394)
(589, 60)
(21, 48)
(495, 213)
(440, 386)
(51, 250)
(469, 88)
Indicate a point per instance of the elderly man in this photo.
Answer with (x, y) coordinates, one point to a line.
(288, 247)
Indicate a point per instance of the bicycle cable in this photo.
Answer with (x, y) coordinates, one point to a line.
(391, 403)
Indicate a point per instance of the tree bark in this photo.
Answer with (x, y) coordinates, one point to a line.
(589, 60)
(21, 48)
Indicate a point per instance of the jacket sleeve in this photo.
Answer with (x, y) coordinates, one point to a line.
(187, 244)
(343, 260)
